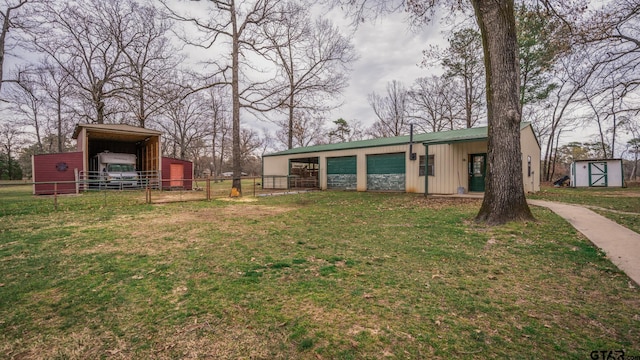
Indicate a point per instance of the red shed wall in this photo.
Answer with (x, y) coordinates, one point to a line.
(51, 168)
(187, 172)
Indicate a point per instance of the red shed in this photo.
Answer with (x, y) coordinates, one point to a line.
(62, 168)
(177, 174)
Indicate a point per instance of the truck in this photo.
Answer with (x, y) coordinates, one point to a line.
(114, 170)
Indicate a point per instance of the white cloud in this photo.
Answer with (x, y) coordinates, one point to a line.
(388, 51)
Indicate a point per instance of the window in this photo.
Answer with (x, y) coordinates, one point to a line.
(529, 166)
(429, 167)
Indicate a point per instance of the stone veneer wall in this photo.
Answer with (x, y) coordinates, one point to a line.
(342, 181)
(393, 182)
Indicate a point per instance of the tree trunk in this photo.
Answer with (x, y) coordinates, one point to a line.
(291, 106)
(468, 95)
(504, 198)
(236, 187)
(3, 38)
(59, 113)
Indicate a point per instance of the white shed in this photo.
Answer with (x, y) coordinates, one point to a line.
(597, 173)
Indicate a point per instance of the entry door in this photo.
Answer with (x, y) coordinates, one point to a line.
(176, 174)
(598, 174)
(477, 171)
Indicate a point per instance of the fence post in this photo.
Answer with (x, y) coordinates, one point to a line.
(55, 195)
(76, 174)
(208, 188)
(254, 186)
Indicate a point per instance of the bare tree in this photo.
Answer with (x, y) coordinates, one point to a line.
(250, 143)
(7, 12)
(87, 39)
(312, 58)
(462, 60)
(55, 85)
(614, 31)
(10, 139)
(613, 38)
(240, 23)
(307, 129)
(151, 60)
(434, 106)
(27, 104)
(185, 121)
(220, 127)
(571, 75)
(391, 111)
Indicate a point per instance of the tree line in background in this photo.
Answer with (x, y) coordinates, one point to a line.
(123, 61)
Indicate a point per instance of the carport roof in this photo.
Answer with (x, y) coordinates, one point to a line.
(115, 132)
(443, 137)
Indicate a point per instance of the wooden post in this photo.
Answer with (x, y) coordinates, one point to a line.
(254, 186)
(55, 195)
(77, 177)
(208, 188)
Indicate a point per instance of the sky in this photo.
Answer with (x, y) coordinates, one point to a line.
(388, 50)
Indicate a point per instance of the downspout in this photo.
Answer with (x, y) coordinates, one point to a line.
(289, 174)
(412, 155)
(426, 168)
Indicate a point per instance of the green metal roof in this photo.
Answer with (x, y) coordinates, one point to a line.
(443, 137)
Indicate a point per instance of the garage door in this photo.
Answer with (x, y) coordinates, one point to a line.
(342, 173)
(386, 172)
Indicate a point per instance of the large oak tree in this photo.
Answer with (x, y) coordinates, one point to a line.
(504, 198)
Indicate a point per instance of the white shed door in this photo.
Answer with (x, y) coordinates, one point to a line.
(598, 174)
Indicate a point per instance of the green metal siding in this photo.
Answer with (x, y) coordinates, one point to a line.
(342, 165)
(386, 164)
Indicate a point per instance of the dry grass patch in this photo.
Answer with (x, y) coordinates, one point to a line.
(173, 230)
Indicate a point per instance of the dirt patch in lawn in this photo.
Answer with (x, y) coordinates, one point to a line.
(618, 194)
(438, 203)
(156, 233)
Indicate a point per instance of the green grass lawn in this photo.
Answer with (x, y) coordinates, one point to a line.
(324, 275)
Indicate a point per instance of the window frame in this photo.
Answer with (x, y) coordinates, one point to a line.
(425, 166)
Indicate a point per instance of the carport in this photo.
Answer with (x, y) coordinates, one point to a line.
(120, 138)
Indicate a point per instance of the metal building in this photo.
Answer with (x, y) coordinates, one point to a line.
(445, 162)
(71, 172)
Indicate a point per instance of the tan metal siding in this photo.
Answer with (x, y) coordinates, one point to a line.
(530, 147)
(276, 165)
(451, 166)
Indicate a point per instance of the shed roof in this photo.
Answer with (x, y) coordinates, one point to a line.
(115, 131)
(597, 159)
(443, 137)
